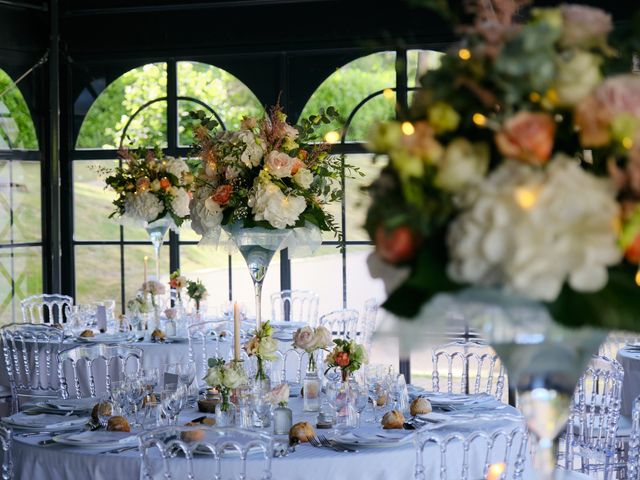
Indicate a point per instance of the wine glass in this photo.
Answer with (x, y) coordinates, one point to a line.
(119, 397)
(135, 391)
(379, 397)
(361, 394)
(105, 409)
(172, 400)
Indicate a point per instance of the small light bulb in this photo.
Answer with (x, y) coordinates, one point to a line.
(332, 137)
(638, 277)
(495, 471)
(388, 94)
(464, 53)
(479, 119)
(535, 97)
(627, 143)
(525, 197)
(408, 128)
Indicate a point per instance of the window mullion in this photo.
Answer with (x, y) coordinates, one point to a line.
(172, 144)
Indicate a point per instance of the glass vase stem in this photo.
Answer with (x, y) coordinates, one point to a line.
(257, 286)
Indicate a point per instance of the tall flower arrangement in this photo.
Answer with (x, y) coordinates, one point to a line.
(516, 167)
(268, 174)
(150, 186)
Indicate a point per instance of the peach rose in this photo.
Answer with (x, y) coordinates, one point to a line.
(222, 194)
(527, 137)
(297, 165)
(165, 184)
(302, 154)
(143, 184)
(280, 164)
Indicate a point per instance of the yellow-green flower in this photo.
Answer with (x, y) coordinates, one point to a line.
(443, 118)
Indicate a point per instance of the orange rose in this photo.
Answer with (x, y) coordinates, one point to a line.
(297, 165)
(632, 253)
(165, 184)
(527, 137)
(396, 246)
(302, 154)
(222, 194)
(342, 359)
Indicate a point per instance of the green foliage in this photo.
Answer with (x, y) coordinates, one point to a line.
(16, 127)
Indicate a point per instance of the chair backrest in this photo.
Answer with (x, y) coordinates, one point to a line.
(30, 353)
(596, 409)
(46, 308)
(176, 453)
(369, 321)
(633, 456)
(208, 340)
(615, 341)
(291, 365)
(295, 306)
(87, 371)
(343, 324)
(7, 460)
(471, 367)
(471, 456)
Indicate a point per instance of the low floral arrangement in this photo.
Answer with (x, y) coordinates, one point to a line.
(268, 174)
(310, 340)
(177, 282)
(197, 292)
(224, 377)
(262, 346)
(139, 305)
(517, 168)
(153, 289)
(348, 356)
(279, 395)
(150, 186)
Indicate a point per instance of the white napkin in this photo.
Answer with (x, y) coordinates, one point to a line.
(44, 420)
(72, 403)
(101, 436)
(375, 435)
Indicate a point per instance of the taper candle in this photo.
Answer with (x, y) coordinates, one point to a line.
(236, 331)
(146, 261)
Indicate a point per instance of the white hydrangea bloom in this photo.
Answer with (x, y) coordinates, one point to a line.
(269, 203)
(532, 229)
(176, 166)
(180, 202)
(253, 152)
(206, 214)
(143, 206)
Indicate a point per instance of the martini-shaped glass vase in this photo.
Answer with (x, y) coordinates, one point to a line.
(157, 230)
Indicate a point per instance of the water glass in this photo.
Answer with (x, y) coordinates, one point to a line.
(261, 409)
(135, 390)
(172, 400)
(361, 400)
(105, 409)
(379, 395)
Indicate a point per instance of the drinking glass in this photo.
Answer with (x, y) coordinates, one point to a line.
(119, 397)
(361, 394)
(105, 409)
(261, 408)
(379, 397)
(135, 391)
(172, 399)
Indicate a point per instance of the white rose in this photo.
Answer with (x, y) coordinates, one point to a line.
(213, 377)
(176, 166)
(233, 376)
(463, 163)
(323, 338)
(303, 177)
(279, 164)
(253, 152)
(304, 339)
(143, 206)
(577, 77)
(267, 348)
(180, 203)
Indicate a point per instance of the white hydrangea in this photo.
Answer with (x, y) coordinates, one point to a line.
(206, 214)
(143, 206)
(176, 166)
(253, 152)
(180, 202)
(532, 229)
(269, 203)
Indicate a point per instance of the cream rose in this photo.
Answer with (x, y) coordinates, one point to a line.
(268, 203)
(279, 164)
(267, 348)
(463, 163)
(233, 376)
(176, 166)
(577, 77)
(213, 377)
(303, 177)
(323, 338)
(304, 339)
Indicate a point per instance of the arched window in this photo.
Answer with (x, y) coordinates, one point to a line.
(20, 202)
(145, 107)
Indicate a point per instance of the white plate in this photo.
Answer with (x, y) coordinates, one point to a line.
(293, 326)
(97, 439)
(108, 338)
(71, 404)
(45, 422)
(374, 437)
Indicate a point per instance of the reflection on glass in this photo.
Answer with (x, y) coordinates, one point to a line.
(97, 273)
(109, 113)
(92, 202)
(16, 126)
(349, 85)
(378, 109)
(212, 267)
(321, 273)
(134, 268)
(243, 291)
(20, 209)
(20, 277)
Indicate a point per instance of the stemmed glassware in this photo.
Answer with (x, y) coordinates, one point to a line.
(379, 395)
(135, 391)
(172, 400)
(361, 400)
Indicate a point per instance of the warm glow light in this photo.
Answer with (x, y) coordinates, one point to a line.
(526, 197)
(408, 128)
(535, 97)
(495, 471)
(638, 277)
(479, 119)
(464, 53)
(627, 143)
(332, 137)
(388, 94)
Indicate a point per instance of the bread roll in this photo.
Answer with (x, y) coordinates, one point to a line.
(393, 420)
(118, 424)
(193, 435)
(419, 406)
(301, 432)
(158, 335)
(103, 408)
(87, 333)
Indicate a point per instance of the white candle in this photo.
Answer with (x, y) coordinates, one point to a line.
(146, 261)
(236, 331)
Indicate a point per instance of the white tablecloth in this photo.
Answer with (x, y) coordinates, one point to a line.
(306, 463)
(630, 361)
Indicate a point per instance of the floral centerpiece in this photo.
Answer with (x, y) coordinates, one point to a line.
(150, 186)
(348, 356)
(264, 347)
(279, 395)
(224, 377)
(177, 282)
(516, 169)
(310, 340)
(197, 292)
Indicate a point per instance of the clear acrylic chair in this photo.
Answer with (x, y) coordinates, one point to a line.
(342, 324)
(471, 367)
(88, 371)
(295, 306)
(46, 308)
(30, 356)
(590, 437)
(633, 452)
(615, 341)
(471, 456)
(7, 460)
(222, 454)
(291, 366)
(369, 321)
(207, 340)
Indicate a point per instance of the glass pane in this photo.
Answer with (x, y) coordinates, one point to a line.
(103, 125)
(350, 84)
(16, 126)
(212, 267)
(223, 92)
(20, 202)
(97, 273)
(92, 202)
(357, 200)
(419, 62)
(360, 285)
(148, 128)
(379, 108)
(20, 277)
(243, 292)
(321, 273)
(134, 267)
(187, 234)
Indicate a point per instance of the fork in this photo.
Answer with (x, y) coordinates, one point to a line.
(330, 444)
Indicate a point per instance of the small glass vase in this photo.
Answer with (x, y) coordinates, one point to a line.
(262, 378)
(157, 231)
(225, 411)
(257, 246)
(282, 420)
(311, 386)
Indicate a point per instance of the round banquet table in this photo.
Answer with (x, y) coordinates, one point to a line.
(58, 462)
(629, 358)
